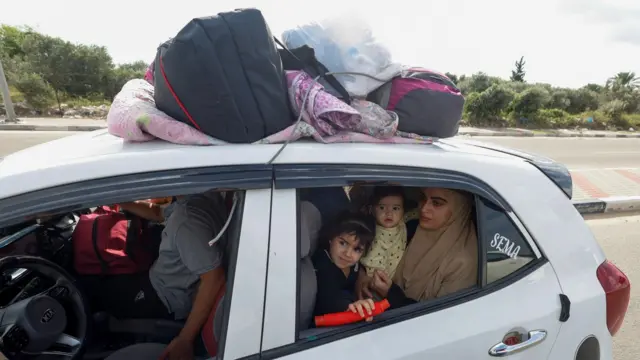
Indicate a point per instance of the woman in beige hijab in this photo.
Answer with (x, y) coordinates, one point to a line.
(442, 256)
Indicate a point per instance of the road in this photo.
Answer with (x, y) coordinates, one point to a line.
(617, 236)
(576, 153)
(11, 141)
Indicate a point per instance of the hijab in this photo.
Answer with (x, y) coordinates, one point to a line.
(442, 261)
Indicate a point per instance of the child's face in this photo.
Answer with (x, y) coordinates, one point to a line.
(389, 211)
(345, 250)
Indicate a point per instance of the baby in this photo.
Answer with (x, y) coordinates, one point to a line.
(387, 205)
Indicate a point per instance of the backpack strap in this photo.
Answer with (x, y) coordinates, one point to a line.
(94, 240)
(314, 67)
(384, 94)
(134, 229)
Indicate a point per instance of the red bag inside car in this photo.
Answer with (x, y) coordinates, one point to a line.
(107, 241)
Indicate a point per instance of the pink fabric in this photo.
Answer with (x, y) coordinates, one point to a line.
(327, 119)
(133, 116)
(149, 74)
(329, 115)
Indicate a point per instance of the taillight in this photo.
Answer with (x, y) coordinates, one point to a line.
(617, 288)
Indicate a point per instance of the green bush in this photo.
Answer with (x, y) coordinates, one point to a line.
(614, 110)
(633, 120)
(599, 120)
(559, 99)
(555, 119)
(485, 108)
(527, 104)
(37, 93)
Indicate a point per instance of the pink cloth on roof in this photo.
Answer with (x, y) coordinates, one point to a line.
(133, 116)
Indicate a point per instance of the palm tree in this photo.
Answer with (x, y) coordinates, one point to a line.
(624, 80)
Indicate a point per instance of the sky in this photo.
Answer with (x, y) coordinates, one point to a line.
(567, 43)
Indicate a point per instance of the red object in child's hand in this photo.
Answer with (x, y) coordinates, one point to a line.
(348, 317)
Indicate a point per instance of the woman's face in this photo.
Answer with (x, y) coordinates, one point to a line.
(435, 208)
(345, 250)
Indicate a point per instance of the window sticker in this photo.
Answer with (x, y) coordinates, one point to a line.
(505, 246)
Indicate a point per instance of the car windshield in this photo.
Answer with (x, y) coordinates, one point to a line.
(11, 238)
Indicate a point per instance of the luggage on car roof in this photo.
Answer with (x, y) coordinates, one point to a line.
(223, 75)
(427, 103)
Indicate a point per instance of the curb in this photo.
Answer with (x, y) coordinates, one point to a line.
(543, 134)
(613, 204)
(25, 127)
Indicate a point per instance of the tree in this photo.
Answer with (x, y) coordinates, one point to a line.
(123, 73)
(560, 99)
(489, 104)
(49, 57)
(622, 81)
(582, 100)
(528, 103)
(11, 39)
(517, 75)
(89, 69)
(452, 77)
(478, 82)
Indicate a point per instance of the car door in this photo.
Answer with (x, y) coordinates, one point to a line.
(514, 311)
(241, 331)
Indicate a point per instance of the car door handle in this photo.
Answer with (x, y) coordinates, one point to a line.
(502, 349)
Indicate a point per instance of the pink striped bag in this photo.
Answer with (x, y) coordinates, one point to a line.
(427, 103)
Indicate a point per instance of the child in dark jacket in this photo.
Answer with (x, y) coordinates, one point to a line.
(343, 243)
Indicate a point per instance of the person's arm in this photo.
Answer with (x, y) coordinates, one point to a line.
(211, 284)
(205, 261)
(386, 288)
(145, 210)
(397, 298)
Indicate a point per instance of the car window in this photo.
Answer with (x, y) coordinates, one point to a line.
(504, 252)
(507, 250)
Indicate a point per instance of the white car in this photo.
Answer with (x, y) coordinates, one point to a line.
(545, 288)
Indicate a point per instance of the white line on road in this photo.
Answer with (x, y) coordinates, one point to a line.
(616, 152)
(599, 169)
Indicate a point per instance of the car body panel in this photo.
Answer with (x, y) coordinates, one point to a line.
(280, 301)
(244, 328)
(537, 202)
(98, 155)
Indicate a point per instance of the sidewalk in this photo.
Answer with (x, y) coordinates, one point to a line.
(61, 124)
(606, 190)
(54, 124)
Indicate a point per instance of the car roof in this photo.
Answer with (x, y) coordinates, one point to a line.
(98, 154)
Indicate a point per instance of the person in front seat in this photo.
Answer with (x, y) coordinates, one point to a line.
(442, 256)
(150, 209)
(184, 281)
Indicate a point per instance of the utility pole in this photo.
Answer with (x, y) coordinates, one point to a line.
(8, 105)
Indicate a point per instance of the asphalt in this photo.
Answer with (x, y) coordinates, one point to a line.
(12, 141)
(578, 153)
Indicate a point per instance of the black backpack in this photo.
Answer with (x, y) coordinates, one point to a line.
(224, 76)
